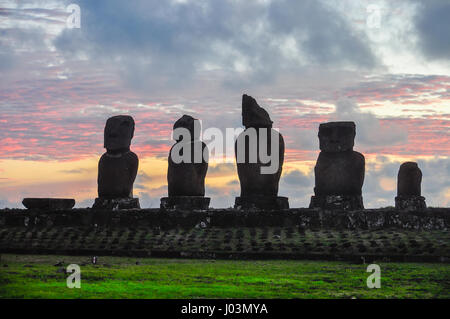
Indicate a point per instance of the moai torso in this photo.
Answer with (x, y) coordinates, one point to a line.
(117, 167)
(188, 178)
(253, 181)
(339, 173)
(339, 170)
(116, 175)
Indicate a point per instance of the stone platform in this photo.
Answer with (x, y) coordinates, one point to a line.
(337, 202)
(410, 203)
(261, 202)
(379, 234)
(116, 203)
(185, 202)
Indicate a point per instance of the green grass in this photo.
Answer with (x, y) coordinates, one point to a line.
(31, 276)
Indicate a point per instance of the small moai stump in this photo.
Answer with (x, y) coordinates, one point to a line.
(49, 203)
(339, 171)
(117, 167)
(409, 181)
(259, 178)
(186, 172)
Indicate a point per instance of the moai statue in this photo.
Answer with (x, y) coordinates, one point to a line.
(259, 151)
(408, 188)
(117, 167)
(188, 164)
(339, 171)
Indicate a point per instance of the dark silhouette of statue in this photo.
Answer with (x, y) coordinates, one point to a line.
(339, 171)
(259, 152)
(409, 181)
(188, 164)
(117, 167)
(49, 203)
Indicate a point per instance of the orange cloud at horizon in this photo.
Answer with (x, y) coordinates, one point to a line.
(78, 179)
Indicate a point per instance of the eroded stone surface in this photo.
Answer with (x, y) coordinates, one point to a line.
(116, 175)
(410, 203)
(337, 202)
(253, 115)
(189, 123)
(119, 130)
(253, 181)
(185, 202)
(187, 178)
(339, 171)
(48, 203)
(229, 233)
(116, 203)
(186, 175)
(262, 202)
(372, 219)
(409, 181)
(337, 136)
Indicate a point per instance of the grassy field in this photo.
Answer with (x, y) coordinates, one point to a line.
(31, 276)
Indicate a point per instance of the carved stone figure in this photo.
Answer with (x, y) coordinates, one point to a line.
(117, 167)
(409, 181)
(186, 172)
(259, 151)
(339, 171)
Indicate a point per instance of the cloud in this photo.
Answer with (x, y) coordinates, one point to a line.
(435, 181)
(222, 197)
(233, 182)
(156, 44)
(84, 203)
(310, 23)
(142, 177)
(400, 88)
(16, 47)
(296, 177)
(76, 171)
(369, 130)
(7, 59)
(380, 183)
(79, 189)
(298, 187)
(147, 201)
(5, 203)
(221, 169)
(433, 27)
(380, 180)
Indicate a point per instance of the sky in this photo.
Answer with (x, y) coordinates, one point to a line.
(383, 64)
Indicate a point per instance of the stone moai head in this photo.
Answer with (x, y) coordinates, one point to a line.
(409, 180)
(119, 131)
(253, 115)
(189, 123)
(337, 136)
